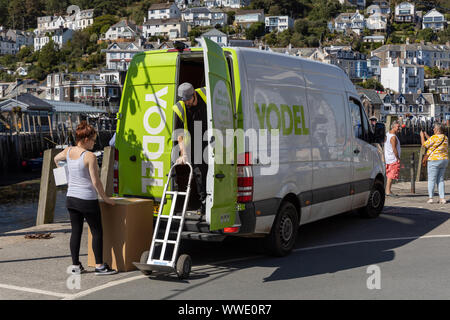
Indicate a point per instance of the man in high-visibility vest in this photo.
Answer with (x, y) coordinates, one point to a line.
(191, 113)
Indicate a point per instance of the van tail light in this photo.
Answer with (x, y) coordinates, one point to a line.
(245, 178)
(231, 230)
(116, 172)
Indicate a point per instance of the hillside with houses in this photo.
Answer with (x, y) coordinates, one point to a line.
(396, 52)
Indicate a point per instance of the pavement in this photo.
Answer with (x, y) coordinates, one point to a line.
(409, 242)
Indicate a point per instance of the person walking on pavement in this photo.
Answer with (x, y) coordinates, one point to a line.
(191, 111)
(392, 153)
(437, 162)
(82, 200)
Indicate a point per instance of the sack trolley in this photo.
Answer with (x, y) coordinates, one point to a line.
(163, 253)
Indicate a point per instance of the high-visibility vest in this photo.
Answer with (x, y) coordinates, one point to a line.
(180, 109)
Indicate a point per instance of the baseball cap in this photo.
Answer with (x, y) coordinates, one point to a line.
(185, 91)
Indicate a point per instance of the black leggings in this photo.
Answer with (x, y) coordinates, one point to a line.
(78, 210)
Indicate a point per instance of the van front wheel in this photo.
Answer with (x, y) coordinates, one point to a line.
(376, 202)
(281, 239)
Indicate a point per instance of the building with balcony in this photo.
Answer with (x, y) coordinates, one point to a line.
(419, 105)
(245, 18)
(123, 31)
(59, 36)
(235, 4)
(167, 10)
(75, 19)
(170, 28)
(91, 88)
(120, 54)
(204, 17)
(405, 12)
(401, 77)
(435, 20)
(438, 85)
(279, 23)
(348, 22)
(377, 22)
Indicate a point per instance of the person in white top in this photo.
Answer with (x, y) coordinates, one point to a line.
(84, 186)
(392, 153)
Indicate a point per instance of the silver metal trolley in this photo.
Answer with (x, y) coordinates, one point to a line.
(163, 253)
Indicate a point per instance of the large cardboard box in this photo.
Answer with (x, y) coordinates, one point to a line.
(127, 232)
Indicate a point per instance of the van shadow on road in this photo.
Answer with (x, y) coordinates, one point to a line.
(343, 242)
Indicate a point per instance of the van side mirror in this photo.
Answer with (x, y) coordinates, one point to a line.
(379, 133)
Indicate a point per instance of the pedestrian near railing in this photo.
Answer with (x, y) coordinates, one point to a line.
(437, 160)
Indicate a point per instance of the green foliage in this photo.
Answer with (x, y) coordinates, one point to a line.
(371, 84)
(256, 30)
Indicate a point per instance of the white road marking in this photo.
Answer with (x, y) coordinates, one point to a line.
(32, 290)
(122, 281)
(104, 286)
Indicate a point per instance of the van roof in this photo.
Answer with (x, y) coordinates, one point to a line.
(307, 65)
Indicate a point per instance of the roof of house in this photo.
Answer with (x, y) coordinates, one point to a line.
(72, 107)
(214, 33)
(158, 6)
(153, 22)
(27, 101)
(371, 94)
(243, 12)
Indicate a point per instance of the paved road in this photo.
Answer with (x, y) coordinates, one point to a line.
(407, 246)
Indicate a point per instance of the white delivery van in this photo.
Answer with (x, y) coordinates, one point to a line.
(302, 149)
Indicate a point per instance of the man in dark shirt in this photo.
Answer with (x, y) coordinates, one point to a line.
(190, 113)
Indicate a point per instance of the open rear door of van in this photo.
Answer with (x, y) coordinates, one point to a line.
(221, 182)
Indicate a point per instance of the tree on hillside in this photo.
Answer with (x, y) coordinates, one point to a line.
(256, 30)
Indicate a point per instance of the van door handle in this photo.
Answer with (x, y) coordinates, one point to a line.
(356, 151)
(220, 176)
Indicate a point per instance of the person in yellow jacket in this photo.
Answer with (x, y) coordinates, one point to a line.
(191, 118)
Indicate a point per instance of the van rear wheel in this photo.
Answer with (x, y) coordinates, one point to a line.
(281, 239)
(376, 202)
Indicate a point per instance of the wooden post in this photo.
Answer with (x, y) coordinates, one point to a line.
(47, 194)
(107, 172)
(413, 180)
(50, 127)
(420, 169)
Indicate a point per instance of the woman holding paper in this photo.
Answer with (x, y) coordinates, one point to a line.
(82, 200)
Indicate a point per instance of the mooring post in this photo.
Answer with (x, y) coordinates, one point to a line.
(47, 194)
(413, 180)
(107, 172)
(419, 164)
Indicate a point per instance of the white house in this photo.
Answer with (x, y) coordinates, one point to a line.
(373, 67)
(60, 36)
(122, 30)
(171, 28)
(403, 78)
(202, 16)
(167, 10)
(235, 4)
(246, 18)
(21, 38)
(348, 21)
(7, 46)
(77, 19)
(184, 4)
(383, 5)
(405, 12)
(216, 36)
(434, 20)
(120, 54)
(279, 23)
(376, 21)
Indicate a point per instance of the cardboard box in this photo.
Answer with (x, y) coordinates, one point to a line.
(127, 232)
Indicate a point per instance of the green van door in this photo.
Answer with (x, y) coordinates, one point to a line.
(222, 171)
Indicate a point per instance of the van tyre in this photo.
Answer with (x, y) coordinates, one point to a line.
(281, 239)
(376, 202)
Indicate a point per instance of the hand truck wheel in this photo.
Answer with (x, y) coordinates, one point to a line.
(183, 267)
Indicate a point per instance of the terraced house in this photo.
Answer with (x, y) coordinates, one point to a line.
(205, 17)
